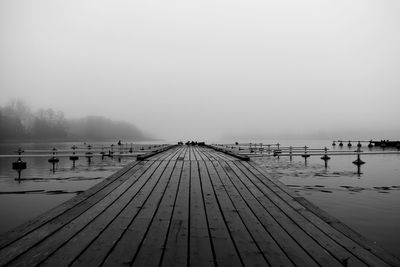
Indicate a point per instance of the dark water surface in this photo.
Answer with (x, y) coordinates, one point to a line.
(40, 189)
(369, 203)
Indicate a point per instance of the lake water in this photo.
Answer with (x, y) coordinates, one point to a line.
(369, 202)
(40, 189)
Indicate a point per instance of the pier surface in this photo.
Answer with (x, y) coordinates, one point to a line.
(188, 206)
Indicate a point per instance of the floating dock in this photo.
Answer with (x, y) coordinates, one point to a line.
(189, 206)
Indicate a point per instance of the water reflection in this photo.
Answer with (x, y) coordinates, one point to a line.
(364, 196)
(41, 188)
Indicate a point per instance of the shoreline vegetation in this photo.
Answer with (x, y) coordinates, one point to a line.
(18, 123)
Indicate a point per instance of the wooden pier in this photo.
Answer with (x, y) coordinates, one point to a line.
(194, 206)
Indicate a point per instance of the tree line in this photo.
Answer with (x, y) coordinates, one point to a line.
(19, 122)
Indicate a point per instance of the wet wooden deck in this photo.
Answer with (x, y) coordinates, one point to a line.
(188, 206)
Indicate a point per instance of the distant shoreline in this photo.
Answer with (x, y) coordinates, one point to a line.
(76, 140)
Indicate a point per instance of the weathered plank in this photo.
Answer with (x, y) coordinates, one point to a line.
(176, 246)
(155, 152)
(230, 153)
(200, 246)
(226, 253)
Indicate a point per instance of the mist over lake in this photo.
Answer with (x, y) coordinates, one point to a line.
(209, 70)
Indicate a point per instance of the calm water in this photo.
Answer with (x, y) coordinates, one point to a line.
(369, 203)
(40, 189)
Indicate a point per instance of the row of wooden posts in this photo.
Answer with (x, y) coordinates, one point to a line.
(371, 143)
(276, 150)
(124, 150)
(349, 144)
(90, 151)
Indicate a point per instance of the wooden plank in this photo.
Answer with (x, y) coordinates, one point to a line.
(294, 250)
(154, 152)
(282, 207)
(225, 157)
(356, 249)
(226, 253)
(196, 155)
(199, 154)
(164, 155)
(187, 155)
(150, 252)
(173, 153)
(216, 155)
(70, 244)
(270, 249)
(126, 248)
(176, 156)
(200, 246)
(230, 153)
(183, 155)
(98, 249)
(206, 155)
(191, 156)
(249, 253)
(45, 230)
(176, 245)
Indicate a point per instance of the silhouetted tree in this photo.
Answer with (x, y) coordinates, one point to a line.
(12, 117)
(18, 122)
(49, 124)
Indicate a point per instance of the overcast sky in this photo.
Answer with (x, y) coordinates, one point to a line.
(209, 69)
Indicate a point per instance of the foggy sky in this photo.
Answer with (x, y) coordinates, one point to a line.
(209, 69)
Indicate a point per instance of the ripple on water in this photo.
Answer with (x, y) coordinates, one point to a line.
(371, 196)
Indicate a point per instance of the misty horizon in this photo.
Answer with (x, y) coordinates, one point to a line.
(18, 105)
(209, 70)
